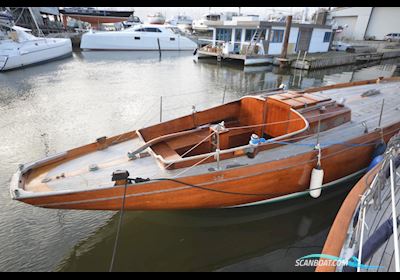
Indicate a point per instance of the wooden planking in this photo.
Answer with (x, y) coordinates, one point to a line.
(278, 111)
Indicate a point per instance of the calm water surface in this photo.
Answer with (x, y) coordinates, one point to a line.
(60, 105)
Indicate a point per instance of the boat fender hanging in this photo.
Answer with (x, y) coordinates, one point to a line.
(317, 177)
(195, 52)
(379, 149)
(375, 162)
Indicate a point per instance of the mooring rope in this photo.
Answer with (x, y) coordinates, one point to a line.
(116, 242)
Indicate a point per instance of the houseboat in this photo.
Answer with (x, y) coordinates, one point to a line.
(254, 41)
(264, 148)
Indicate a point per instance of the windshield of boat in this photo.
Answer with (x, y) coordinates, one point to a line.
(213, 17)
(175, 30)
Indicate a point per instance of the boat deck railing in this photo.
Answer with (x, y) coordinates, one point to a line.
(371, 205)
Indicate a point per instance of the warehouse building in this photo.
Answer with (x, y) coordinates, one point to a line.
(360, 23)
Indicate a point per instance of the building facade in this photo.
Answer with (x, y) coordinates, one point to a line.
(360, 23)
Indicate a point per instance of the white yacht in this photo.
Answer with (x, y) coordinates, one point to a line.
(201, 24)
(139, 37)
(19, 48)
(183, 22)
(157, 18)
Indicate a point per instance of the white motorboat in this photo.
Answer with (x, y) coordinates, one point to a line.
(183, 22)
(132, 21)
(19, 48)
(201, 25)
(157, 18)
(139, 37)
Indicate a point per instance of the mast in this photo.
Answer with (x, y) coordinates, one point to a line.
(40, 33)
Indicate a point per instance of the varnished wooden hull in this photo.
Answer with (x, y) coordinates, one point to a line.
(272, 179)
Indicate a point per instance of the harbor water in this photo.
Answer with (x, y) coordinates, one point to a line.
(60, 105)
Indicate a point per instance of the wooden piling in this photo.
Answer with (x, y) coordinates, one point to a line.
(286, 41)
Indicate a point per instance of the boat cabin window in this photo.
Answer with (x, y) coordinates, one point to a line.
(152, 29)
(174, 30)
(148, 29)
(213, 17)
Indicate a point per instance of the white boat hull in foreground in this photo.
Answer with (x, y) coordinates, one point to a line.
(138, 38)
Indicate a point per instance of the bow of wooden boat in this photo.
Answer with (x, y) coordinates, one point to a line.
(81, 169)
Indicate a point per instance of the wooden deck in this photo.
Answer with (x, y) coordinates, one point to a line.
(246, 59)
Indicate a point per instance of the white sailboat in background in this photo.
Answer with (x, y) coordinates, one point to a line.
(19, 48)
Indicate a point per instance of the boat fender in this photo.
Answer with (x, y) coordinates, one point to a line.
(375, 162)
(379, 149)
(317, 177)
(195, 52)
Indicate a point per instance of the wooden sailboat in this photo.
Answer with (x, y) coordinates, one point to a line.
(254, 150)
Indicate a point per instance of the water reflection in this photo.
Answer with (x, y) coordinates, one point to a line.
(205, 240)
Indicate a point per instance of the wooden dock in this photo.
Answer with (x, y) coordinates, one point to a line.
(246, 59)
(331, 59)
